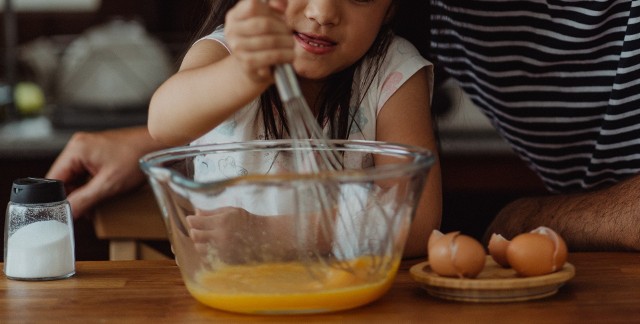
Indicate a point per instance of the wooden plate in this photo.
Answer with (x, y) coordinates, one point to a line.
(493, 284)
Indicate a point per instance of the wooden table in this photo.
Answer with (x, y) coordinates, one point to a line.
(606, 289)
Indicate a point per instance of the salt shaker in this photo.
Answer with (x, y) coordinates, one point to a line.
(38, 233)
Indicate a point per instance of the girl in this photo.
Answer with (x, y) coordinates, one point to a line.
(361, 80)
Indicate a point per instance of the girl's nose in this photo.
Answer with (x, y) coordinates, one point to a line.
(323, 12)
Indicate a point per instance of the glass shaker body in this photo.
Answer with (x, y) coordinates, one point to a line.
(38, 232)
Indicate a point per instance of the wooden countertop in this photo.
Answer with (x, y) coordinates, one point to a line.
(606, 289)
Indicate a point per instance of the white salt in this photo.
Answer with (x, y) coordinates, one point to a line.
(40, 250)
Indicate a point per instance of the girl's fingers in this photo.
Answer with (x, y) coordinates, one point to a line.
(251, 8)
(202, 248)
(278, 5)
(265, 42)
(206, 222)
(204, 236)
(194, 221)
(258, 37)
(252, 18)
(263, 73)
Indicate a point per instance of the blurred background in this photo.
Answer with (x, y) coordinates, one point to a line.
(72, 65)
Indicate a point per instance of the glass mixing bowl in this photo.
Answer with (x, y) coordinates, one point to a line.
(252, 236)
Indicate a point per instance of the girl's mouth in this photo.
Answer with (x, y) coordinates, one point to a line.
(315, 44)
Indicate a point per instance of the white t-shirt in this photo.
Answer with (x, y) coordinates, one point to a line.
(402, 61)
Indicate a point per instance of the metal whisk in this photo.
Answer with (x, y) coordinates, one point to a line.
(311, 157)
(313, 153)
(303, 126)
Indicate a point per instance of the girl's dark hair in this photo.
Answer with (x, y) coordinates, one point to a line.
(409, 19)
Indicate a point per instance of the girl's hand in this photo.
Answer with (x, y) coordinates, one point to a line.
(220, 231)
(259, 37)
(234, 235)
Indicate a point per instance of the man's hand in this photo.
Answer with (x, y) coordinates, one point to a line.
(96, 166)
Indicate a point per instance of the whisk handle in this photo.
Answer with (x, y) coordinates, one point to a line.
(287, 82)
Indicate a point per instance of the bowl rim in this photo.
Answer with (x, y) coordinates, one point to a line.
(423, 160)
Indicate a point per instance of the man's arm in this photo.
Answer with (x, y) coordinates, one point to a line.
(606, 219)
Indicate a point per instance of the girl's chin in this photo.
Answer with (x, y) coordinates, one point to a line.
(312, 74)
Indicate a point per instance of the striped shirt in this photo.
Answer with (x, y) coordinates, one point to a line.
(559, 79)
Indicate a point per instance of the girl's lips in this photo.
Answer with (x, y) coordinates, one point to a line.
(315, 44)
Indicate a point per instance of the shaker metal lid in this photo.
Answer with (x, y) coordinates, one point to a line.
(37, 191)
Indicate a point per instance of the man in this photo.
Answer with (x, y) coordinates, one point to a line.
(559, 80)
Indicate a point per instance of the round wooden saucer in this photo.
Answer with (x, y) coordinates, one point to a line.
(493, 284)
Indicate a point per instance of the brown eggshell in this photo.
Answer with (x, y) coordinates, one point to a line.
(456, 255)
(498, 249)
(435, 235)
(561, 252)
(440, 257)
(535, 254)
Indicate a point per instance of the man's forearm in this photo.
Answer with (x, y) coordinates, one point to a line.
(607, 219)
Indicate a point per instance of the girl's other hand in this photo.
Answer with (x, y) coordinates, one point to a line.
(233, 235)
(259, 37)
(223, 230)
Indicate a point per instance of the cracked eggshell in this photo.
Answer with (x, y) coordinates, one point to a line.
(456, 255)
(435, 235)
(498, 249)
(539, 252)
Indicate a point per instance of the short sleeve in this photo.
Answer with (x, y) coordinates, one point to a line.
(401, 63)
(218, 36)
